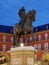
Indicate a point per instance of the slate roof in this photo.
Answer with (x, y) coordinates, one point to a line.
(9, 29)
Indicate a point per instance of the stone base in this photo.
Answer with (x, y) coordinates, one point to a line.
(22, 57)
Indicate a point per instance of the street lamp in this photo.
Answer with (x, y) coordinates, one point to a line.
(21, 44)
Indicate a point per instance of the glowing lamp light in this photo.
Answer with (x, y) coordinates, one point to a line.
(22, 44)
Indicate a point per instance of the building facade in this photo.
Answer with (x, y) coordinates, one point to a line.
(6, 38)
(40, 40)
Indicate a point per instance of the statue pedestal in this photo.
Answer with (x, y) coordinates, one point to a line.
(22, 55)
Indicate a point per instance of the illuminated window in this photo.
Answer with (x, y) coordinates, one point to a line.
(39, 46)
(11, 39)
(4, 38)
(35, 46)
(45, 46)
(30, 38)
(39, 37)
(46, 36)
(3, 48)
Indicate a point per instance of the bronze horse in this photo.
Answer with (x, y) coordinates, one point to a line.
(25, 24)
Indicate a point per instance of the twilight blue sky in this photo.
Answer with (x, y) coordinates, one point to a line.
(9, 11)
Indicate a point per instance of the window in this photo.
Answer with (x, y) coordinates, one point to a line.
(30, 38)
(11, 46)
(26, 40)
(14, 31)
(46, 36)
(11, 30)
(3, 48)
(4, 38)
(35, 39)
(21, 40)
(39, 46)
(12, 39)
(46, 46)
(47, 27)
(35, 46)
(36, 29)
(35, 57)
(39, 37)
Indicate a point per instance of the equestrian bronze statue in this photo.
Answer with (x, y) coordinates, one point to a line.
(24, 26)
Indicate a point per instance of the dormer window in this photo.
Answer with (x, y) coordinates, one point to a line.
(47, 27)
(36, 29)
(11, 30)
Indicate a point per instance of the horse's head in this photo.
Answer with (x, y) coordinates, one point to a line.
(31, 15)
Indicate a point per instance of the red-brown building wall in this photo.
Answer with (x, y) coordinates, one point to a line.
(7, 42)
(33, 42)
(42, 42)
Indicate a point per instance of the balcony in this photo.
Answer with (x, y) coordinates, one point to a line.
(40, 49)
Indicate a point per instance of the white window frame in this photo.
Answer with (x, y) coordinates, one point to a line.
(30, 38)
(46, 46)
(39, 37)
(39, 46)
(4, 38)
(21, 40)
(4, 48)
(46, 36)
(11, 39)
(35, 46)
(35, 38)
(35, 57)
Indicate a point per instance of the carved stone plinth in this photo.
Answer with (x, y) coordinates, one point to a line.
(22, 55)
